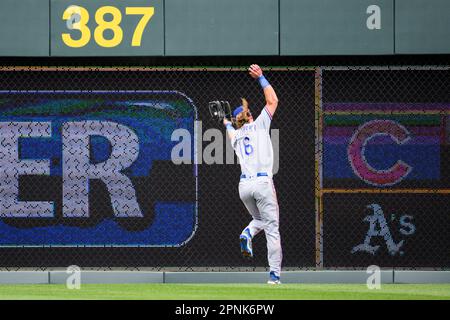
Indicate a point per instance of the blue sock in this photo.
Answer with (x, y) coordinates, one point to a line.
(272, 274)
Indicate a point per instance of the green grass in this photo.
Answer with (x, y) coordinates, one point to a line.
(227, 291)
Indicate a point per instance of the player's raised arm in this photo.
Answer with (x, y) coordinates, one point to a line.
(269, 93)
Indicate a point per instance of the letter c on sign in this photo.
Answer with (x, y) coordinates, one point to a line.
(356, 153)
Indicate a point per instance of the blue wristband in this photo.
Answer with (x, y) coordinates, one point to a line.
(229, 126)
(263, 82)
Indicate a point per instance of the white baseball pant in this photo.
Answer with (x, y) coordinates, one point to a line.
(259, 197)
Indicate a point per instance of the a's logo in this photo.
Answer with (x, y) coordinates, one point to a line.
(95, 169)
(378, 227)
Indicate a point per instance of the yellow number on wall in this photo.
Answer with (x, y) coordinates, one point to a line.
(147, 13)
(82, 14)
(112, 25)
(77, 18)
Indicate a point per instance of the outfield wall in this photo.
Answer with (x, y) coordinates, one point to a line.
(325, 276)
(58, 28)
(362, 167)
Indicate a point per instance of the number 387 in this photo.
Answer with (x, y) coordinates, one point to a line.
(78, 17)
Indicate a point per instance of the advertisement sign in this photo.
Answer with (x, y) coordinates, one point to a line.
(383, 145)
(401, 230)
(77, 169)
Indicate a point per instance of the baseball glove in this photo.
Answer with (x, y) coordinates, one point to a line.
(219, 110)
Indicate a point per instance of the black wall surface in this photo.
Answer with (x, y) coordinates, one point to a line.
(221, 215)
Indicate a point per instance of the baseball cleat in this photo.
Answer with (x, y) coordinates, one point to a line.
(246, 244)
(274, 279)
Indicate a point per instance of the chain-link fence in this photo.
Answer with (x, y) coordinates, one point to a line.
(89, 178)
(385, 170)
(189, 220)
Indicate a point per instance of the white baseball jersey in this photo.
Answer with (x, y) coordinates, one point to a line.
(253, 146)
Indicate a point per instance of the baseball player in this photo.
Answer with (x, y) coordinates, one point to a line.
(252, 144)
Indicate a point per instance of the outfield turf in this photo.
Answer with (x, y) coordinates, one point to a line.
(226, 291)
